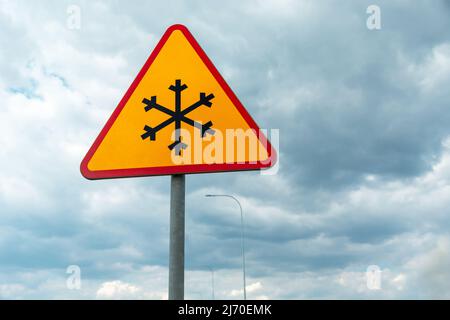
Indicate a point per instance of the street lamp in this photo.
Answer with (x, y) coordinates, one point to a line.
(242, 234)
(212, 283)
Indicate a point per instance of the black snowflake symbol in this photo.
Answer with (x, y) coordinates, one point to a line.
(178, 116)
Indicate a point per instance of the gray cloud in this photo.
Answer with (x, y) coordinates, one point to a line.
(364, 158)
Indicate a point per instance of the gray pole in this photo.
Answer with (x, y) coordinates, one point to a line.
(242, 235)
(212, 283)
(176, 254)
(243, 246)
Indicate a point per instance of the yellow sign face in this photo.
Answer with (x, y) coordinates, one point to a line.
(178, 116)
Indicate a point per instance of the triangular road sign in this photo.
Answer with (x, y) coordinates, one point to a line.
(178, 116)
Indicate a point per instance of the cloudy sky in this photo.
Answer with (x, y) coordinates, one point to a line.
(364, 177)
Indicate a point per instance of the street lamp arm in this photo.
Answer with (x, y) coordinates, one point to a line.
(242, 235)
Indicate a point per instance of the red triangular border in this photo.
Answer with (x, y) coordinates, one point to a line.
(181, 169)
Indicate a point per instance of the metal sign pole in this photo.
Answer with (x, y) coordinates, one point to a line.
(176, 250)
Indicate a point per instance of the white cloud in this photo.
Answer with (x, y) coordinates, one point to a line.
(304, 239)
(250, 289)
(434, 72)
(11, 291)
(431, 270)
(117, 290)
